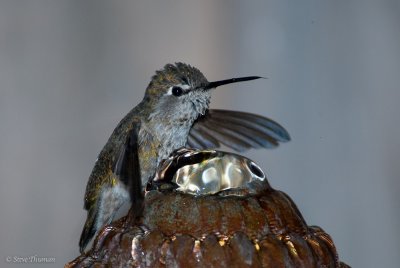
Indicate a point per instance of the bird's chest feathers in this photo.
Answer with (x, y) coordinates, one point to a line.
(160, 139)
(170, 137)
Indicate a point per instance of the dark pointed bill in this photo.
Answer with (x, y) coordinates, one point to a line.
(230, 81)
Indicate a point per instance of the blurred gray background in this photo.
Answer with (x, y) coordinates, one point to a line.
(70, 70)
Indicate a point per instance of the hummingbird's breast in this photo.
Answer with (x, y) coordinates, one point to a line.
(157, 141)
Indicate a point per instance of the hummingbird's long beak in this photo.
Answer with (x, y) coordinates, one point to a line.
(230, 81)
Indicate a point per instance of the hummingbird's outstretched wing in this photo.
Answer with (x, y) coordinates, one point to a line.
(238, 130)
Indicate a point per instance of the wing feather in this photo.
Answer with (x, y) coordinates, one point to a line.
(237, 130)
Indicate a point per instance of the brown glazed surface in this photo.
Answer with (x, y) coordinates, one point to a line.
(180, 230)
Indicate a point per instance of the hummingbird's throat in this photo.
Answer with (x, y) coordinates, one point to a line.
(200, 103)
(200, 107)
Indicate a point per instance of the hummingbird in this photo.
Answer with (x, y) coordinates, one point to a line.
(174, 113)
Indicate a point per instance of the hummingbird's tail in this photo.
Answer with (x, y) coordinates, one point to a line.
(88, 231)
(102, 211)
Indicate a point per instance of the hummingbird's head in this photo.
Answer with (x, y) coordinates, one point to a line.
(180, 92)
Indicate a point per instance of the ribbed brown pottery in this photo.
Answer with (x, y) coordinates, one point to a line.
(265, 229)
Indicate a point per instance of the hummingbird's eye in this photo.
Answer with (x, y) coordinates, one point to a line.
(177, 91)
